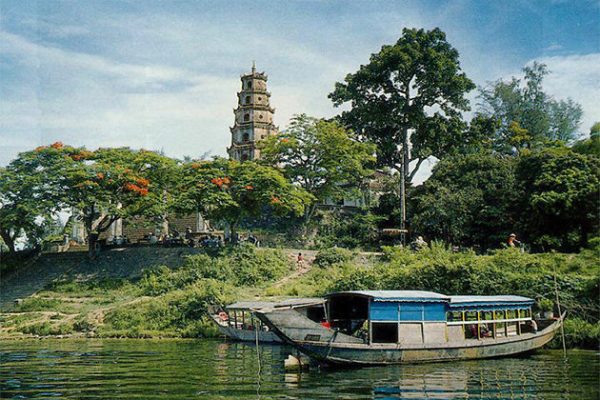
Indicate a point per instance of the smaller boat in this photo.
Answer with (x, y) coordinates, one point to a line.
(395, 327)
(238, 322)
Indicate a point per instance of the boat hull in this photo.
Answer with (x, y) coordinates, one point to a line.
(339, 349)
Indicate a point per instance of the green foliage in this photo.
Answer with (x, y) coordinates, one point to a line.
(43, 304)
(467, 201)
(359, 229)
(558, 191)
(579, 333)
(545, 305)
(47, 328)
(549, 198)
(243, 265)
(335, 255)
(528, 117)
(319, 156)
(225, 190)
(178, 310)
(389, 96)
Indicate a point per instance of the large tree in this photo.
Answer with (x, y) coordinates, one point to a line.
(468, 200)
(321, 157)
(230, 191)
(558, 192)
(412, 91)
(100, 186)
(528, 117)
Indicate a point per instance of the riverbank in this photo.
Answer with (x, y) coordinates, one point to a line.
(170, 301)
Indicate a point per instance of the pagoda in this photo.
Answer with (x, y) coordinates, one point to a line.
(253, 117)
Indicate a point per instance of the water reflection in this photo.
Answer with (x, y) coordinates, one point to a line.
(218, 370)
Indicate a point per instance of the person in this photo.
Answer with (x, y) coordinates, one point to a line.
(512, 240)
(419, 243)
(300, 261)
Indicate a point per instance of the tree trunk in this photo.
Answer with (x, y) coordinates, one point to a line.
(9, 241)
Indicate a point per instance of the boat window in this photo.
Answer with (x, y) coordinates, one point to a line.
(511, 314)
(316, 314)
(471, 329)
(486, 330)
(454, 315)
(525, 313)
(384, 332)
(500, 326)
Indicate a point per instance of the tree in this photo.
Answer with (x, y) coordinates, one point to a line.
(468, 201)
(319, 156)
(397, 93)
(100, 186)
(591, 145)
(24, 208)
(413, 87)
(558, 193)
(230, 191)
(539, 117)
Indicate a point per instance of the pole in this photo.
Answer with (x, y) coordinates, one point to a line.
(402, 206)
(560, 317)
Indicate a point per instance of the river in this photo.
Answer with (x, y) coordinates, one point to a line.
(211, 369)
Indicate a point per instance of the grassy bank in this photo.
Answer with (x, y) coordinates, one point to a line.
(168, 302)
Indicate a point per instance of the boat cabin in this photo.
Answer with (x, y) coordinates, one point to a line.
(419, 317)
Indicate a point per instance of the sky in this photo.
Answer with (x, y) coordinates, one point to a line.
(163, 75)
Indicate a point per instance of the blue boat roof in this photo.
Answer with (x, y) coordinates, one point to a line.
(396, 295)
(425, 296)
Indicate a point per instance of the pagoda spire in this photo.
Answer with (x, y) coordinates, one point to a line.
(253, 66)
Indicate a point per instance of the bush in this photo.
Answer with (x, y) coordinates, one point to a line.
(335, 255)
(46, 329)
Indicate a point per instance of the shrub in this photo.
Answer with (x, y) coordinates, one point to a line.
(335, 255)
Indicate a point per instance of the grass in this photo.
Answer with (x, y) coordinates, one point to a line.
(169, 302)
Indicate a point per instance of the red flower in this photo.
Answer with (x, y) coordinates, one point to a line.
(226, 181)
(100, 175)
(142, 182)
(130, 187)
(143, 192)
(285, 140)
(217, 181)
(39, 148)
(275, 200)
(249, 187)
(57, 145)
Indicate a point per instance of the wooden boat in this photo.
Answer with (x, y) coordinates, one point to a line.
(237, 321)
(393, 327)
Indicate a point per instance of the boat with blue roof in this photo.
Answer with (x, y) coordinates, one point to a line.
(405, 326)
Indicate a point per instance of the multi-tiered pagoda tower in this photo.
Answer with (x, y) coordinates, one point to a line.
(253, 117)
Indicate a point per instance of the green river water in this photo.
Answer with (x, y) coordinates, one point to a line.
(211, 369)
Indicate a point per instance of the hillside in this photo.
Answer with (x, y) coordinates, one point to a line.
(154, 292)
